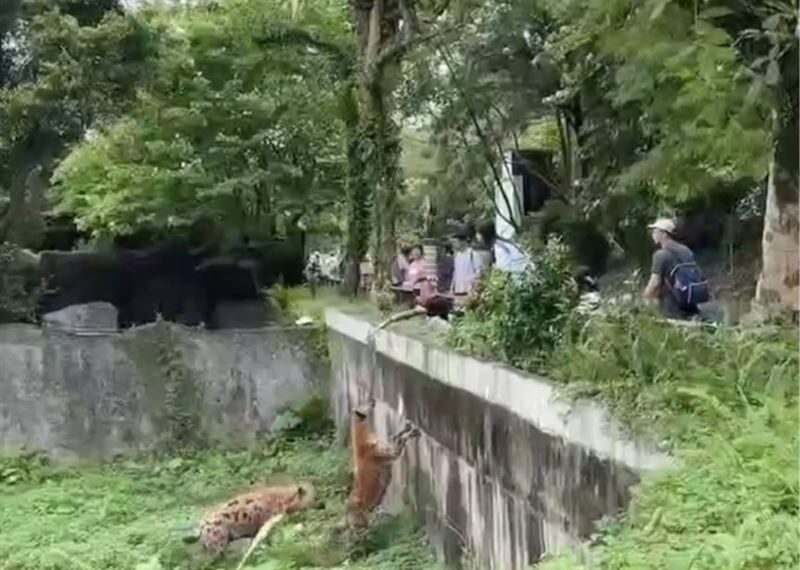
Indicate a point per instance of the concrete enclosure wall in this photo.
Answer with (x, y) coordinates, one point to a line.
(77, 396)
(503, 471)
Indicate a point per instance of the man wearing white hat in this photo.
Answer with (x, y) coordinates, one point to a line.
(675, 279)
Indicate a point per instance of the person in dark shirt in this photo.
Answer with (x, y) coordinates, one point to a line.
(400, 266)
(670, 253)
(445, 269)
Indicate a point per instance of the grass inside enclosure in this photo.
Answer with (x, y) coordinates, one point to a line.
(133, 514)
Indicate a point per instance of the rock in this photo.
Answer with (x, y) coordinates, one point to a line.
(241, 315)
(96, 316)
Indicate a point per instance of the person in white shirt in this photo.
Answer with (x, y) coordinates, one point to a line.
(466, 265)
(508, 256)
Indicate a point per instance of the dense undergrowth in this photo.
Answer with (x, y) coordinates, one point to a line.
(519, 319)
(134, 513)
(723, 401)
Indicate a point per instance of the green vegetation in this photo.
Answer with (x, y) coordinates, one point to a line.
(222, 128)
(296, 302)
(676, 381)
(19, 291)
(723, 401)
(519, 319)
(135, 512)
(731, 503)
(726, 402)
(266, 118)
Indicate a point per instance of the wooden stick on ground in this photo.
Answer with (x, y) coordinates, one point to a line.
(401, 316)
(260, 536)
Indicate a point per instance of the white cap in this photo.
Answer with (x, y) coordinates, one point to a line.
(663, 224)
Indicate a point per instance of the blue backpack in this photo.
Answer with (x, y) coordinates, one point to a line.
(688, 285)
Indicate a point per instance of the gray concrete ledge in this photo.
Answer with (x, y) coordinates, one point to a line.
(532, 398)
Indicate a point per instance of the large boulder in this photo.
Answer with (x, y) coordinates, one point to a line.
(171, 281)
(77, 278)
(97, 316)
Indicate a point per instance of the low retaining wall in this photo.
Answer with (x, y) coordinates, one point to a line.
(503, 472)
(95, 395)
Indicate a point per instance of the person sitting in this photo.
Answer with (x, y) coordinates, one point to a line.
(675, 279)
(427, 301)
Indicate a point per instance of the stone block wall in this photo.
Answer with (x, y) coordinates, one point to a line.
(80, 395)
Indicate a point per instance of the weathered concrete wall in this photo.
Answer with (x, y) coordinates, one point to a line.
(83, 395)
(503, 472)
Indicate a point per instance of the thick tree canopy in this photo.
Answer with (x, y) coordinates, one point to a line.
(260, 114)
(223, 128)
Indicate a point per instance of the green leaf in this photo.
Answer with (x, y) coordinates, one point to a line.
(716, 12)
(772, 22)
(773, 75)
(658, 9)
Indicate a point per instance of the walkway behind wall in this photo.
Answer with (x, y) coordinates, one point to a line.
(503, 472)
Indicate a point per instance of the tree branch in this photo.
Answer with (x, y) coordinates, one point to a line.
(410, 38)
(284, 36)
(490, 160)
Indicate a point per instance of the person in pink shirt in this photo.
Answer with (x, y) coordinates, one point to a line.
(416, 268)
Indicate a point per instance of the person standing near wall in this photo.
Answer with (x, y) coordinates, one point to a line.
(508, 256)
(675, 279)
(400, 266)
(466, 264)
(445, 269)
(313, 272)
(416, 268)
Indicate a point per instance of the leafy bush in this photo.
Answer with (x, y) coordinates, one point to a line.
(664, 379)
(19, 293)
(309, 420)
(24, 467)
(135, 512)
(731, 502)
(519, 318)
(726, 400)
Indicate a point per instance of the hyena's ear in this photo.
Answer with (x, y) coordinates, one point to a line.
(361, 412)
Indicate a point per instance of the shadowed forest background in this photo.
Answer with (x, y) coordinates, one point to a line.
(259, 129)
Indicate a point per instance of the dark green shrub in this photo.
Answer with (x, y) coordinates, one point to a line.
(519, 318)
(19, 287)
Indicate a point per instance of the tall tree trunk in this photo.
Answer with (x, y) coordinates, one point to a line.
(358, 194)
(381, 47)
(778, 287)
(779, 283)
(22, 221)
(383, 177)
(386, 29)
